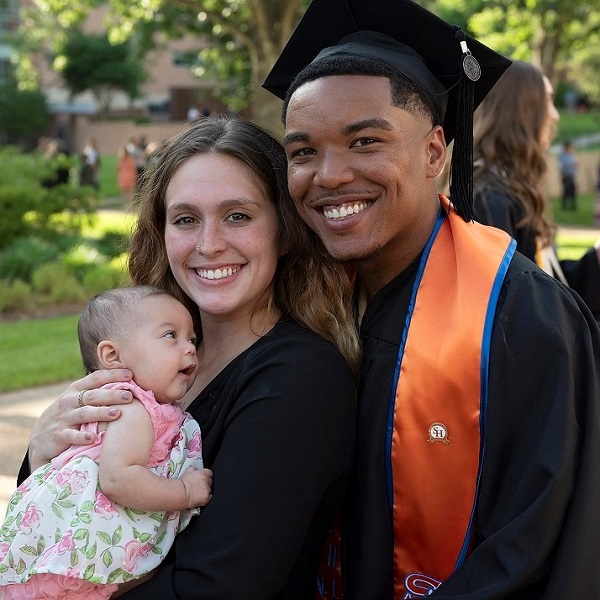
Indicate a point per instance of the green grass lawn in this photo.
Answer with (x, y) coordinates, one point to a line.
(573, 125)
(573, 248)
(39, 351)
(108, 177)
(582, 217)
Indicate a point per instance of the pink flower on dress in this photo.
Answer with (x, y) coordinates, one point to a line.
(103, 506)
(25, 486)
(76, 573)
(78, 481)
(62, 477)
(66, 543)
(4, 548)
(195, 445)
(31, 518)
(134, 550)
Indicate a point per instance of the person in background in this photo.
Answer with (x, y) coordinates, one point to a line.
(127, 174)
(57, 162)
(137, 148)
(275, 393)
(106, 513)
(514, 127)
(479, 394)
(568, 172)
(90, 164)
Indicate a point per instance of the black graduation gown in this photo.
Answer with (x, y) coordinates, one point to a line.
(538, 511)
(497, 207)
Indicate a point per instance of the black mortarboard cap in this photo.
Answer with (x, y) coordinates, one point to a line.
(424, 48)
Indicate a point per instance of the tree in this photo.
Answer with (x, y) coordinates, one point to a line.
(239, 40)
(91, 62)
(560, 36)
(23, 115)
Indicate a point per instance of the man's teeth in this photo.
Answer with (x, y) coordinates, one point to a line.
(345, 210)
(217, 273)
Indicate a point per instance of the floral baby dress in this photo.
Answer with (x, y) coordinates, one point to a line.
(65, 538)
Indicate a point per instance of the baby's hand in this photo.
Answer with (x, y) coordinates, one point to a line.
(198, 486)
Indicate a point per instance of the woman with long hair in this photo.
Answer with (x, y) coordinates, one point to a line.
(514, 127)
(277, 357)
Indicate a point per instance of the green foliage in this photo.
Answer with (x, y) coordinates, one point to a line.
(20, 192)
(23, 115)
(234, 73)
(15, 295)
(112, 244)
(105, 277)
(81, 258)
(92, 62)
(24, 255)
(30, 209)
(562, 37)
(55, 284)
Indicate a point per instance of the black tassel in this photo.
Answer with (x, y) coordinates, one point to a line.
(461, 168)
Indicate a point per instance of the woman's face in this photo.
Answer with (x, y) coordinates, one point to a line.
(552, 117)
(221, 236)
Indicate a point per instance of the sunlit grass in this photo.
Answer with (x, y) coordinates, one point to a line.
(39, 351)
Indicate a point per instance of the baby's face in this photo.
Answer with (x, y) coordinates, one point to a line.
(160, 348)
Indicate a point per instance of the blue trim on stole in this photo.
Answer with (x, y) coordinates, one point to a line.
(392, 402)
(484, 376)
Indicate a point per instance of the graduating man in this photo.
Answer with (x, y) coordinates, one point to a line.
(478, 456)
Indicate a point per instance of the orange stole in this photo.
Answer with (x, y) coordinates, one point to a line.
(435, 442)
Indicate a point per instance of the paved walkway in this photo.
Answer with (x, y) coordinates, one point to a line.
(18, 413)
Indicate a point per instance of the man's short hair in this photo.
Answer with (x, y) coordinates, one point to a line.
(405, 94)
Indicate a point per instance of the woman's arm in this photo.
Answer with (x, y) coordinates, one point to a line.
(125, 478)
(58, 426)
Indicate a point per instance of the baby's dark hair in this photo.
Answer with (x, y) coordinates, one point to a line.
(106, 314)
(405, 94)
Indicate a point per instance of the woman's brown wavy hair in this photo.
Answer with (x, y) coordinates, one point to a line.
(309, 285)
(507, 143)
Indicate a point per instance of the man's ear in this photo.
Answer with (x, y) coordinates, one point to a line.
(436, 149)
(108, 355)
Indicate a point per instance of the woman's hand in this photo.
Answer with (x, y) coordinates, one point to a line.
(82, 402)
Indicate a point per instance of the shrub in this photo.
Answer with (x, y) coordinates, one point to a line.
(23, 114)
(68, 292)
(113, 243)
(54, 284)
(15, 295)
(48, 276)
(28, 208)
(81, 258)
(24, 256)
(105, 277)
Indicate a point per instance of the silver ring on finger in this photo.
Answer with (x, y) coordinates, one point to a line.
(80, 398)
